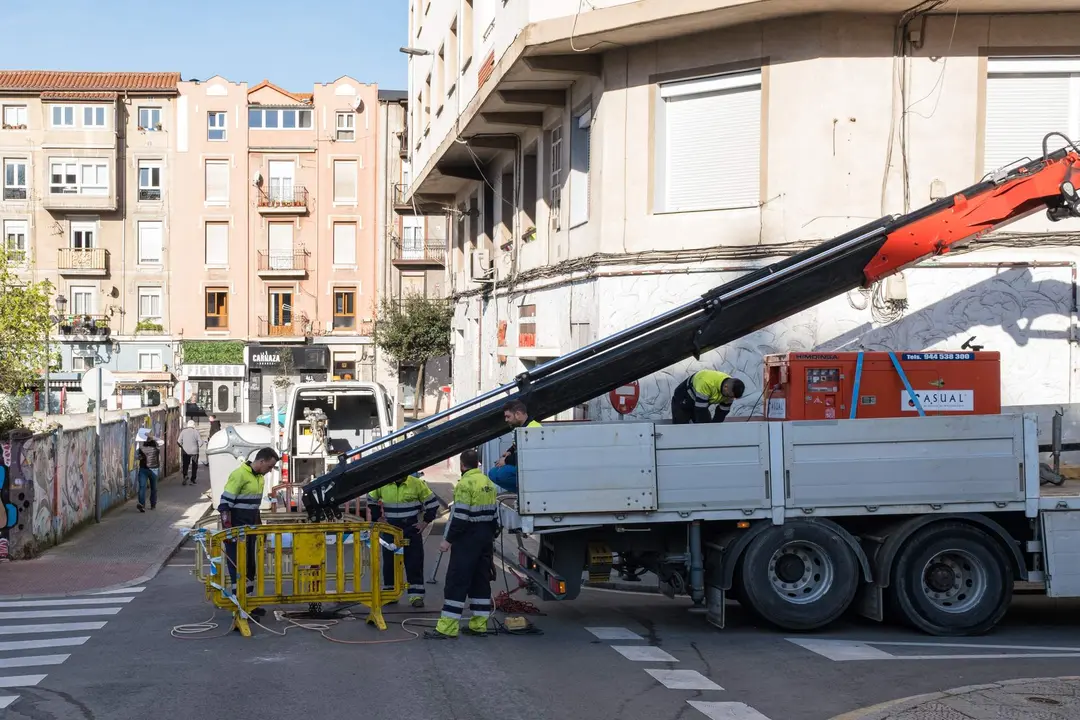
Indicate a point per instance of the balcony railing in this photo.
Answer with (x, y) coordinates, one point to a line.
(85, 327)
(283, 263)
(83, 261)
(418, 251)
(403, 144)
(289, 199)
(14, 193)
(277, 328)
(149, 194)
(401, 190)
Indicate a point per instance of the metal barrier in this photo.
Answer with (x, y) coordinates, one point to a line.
(298, 563)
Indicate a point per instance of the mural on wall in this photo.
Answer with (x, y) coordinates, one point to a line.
(114, 468)
(37, 463)
(9, 513)
(78, 448)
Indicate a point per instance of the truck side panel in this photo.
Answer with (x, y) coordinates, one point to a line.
(903, 462)
(716, 466)
(1061, 539)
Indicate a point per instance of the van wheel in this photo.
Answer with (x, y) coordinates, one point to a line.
(799, 576)
(952, 579)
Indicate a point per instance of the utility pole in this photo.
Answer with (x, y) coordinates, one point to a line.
(97, 455)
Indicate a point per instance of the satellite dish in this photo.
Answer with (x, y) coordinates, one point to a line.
(358, 105)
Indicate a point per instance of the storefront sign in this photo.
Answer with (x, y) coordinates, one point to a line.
(307, 357)
(215, 371)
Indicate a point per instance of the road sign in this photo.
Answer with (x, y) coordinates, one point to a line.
(92, 383)
(624, 399)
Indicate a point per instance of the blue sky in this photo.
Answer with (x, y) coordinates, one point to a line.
(293, 43)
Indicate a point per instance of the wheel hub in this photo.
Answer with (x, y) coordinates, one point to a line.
(940, 577)
(790, 568)
(801, 572)
(954, 581)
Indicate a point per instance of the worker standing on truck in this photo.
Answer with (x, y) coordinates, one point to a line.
(504, 474)
(693, 396)
(471, 533)
(402, 503)
(239, 505)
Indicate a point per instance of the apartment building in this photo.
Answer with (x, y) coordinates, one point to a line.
(608, 160)
(278, 191)
(412, 253)
(87, 196)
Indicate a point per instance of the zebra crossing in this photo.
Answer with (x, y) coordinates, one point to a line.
(29, 639)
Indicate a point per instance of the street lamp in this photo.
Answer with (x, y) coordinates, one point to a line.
(414, 51)
(61, 305)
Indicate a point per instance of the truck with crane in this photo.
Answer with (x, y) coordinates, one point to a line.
(934, 517)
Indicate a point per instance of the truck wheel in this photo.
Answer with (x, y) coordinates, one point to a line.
(952, 579)
(799, 576)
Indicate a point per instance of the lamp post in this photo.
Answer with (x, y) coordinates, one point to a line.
(61, 305)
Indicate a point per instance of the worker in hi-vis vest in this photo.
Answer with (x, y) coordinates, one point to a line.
(401, 504)
(504, 474)
(692, 398)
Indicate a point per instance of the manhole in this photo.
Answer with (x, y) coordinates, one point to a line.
(1044, 700)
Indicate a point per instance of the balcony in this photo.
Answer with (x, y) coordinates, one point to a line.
(290, 200)
(418, 253)
(68, 198)
(92, 262)
(293, 329)
(401, 190)
(283, 263)
(403, 144)
(85, 328)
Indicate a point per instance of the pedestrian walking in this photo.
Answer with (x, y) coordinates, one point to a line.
(240, 501)
(149, 469)
(190, 441)
(402, 503)
(215, 427)
(471, 534)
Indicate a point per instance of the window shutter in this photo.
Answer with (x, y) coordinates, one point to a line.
(713, 129)
(217, 244)
(281, 246)
(1020, 111)
(344, 244)
(149, 242)
(217, 181)
(344, 180)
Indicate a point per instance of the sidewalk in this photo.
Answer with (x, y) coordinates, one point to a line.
(126, 547)
(1049, 698)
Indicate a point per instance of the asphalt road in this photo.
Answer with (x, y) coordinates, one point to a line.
(645, 658)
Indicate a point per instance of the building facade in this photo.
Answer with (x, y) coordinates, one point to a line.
(412, 255)
(612, 161)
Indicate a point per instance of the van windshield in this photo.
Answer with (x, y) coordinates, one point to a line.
(352, 418)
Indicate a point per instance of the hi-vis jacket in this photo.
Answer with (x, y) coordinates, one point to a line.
(511, 456)
(403, 501)
(705, 387)
(242, 496)
(475, 511)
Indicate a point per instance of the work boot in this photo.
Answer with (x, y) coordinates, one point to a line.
(416, 602)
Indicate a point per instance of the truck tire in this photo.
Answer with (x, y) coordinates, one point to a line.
(798, 576)
(952, 578)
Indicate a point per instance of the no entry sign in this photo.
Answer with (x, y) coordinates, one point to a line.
(625, 398)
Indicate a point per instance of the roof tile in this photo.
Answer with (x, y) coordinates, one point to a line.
(51, 80)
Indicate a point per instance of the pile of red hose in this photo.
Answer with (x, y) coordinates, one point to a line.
(506, 604)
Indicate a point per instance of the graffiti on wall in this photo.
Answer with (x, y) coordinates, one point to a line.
(113, 464)
(77, 477)
(9, 513)
(37, 464)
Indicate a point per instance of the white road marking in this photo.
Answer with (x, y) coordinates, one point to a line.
(726, 710)
(614, 633)
(61, 603)
(6, 700)
(683, 679)
(121, 591)
(33, 660)
(846, 650)
(50, 628)
(39, 644)
(12, 681)
(34, 614)
(643, 653)
(841, 650)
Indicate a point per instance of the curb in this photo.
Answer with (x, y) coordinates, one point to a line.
(882, 711)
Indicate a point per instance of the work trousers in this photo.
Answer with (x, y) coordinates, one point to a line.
(468, 578)
(249, 555)
(185, 460)
(414, 563)
(505, 477)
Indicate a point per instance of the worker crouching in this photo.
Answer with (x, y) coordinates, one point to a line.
(408, 504)
(470, 534)
(691, 400)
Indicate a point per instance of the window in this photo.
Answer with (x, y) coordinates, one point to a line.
(15, 245)
(426, 102)
(217, 309)
(94, 116)
(150, 305)
(82, 300)
(150, 119)
(280, 311)
(709, 143)
(149, 180)
(279, 118)
(579, 167)
(344, 366)
(215, 126)
(149, 360)
(467, 31)
(63, 116)
(79, 177)
(281, 246)
(452, 53)
(83, 235)
(554, 175)
(440, 79)
(15, 180)
(346, 126)
(81, 363)
(14, 117)
(345, 244)
(150, 245)
(1025, 99)
(217, 244)
(345, 181)
(344, 309)
(217, 181)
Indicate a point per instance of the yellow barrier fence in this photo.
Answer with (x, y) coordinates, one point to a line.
(300, 563)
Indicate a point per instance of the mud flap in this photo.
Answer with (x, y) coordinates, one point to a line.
(870, 601)
(714, 605)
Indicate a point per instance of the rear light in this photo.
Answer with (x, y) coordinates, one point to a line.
(557, 586)
(284, 467)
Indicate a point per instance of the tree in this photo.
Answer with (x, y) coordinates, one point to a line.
(413, 331)
(24, 324)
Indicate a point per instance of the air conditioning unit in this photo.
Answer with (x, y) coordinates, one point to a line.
(481, 266)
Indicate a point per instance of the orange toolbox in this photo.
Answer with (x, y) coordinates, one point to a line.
(824, 385)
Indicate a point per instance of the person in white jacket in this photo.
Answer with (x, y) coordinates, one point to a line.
(189, 440)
